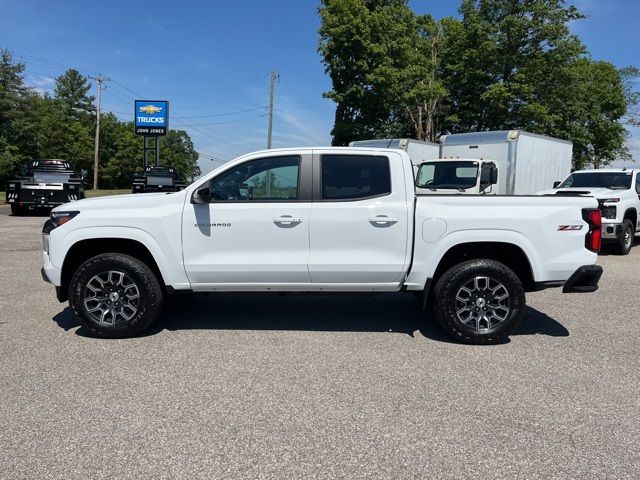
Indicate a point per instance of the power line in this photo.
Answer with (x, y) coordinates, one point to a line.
(263, 107)
(222, 123)
(119, 94)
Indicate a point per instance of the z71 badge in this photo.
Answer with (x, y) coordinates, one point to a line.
(569, 228)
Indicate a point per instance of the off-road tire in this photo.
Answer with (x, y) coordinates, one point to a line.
(18, 211)
(149, 300)
(622, 245)
(448, 287)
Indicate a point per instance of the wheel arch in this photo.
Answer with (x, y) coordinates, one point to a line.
(632, 214)
(83, 250)
(506, 253)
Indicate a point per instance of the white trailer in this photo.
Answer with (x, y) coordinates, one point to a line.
(418, 150)
(527, 163)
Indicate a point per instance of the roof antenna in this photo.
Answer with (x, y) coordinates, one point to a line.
(390, 143)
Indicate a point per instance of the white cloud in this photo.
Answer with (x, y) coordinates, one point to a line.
(40, 83)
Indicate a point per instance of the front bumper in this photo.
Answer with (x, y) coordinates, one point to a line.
(584, 280)
(611, 231)
(49, 272)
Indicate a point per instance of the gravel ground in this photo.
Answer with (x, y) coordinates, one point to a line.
(251, 386)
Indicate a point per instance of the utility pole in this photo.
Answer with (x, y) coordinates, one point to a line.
(274, 77)
(100, 79)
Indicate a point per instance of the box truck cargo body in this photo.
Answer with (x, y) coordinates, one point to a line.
(418, 150)
(527, 163)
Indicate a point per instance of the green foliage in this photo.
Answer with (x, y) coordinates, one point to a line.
(364, 43)
(72, 90)
(176, 150)
(505, 64)
(63, 126)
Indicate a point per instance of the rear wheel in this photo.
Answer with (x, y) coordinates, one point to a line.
(115, 295)
(625, 241)
(479, 301)
(17, 210)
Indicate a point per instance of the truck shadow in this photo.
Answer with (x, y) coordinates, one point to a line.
(384, 313)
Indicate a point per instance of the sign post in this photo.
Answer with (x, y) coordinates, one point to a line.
(151, 121)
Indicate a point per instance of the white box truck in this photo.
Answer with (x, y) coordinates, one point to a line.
(527, 163)
(418, 150)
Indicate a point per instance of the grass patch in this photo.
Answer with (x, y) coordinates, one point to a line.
(104, 193)
(88, 193)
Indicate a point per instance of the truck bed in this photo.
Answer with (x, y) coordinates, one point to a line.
(443, 221)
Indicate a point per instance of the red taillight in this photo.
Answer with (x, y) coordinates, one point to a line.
(593, 240)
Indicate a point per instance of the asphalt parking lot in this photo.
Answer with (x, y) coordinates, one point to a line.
(251, 386)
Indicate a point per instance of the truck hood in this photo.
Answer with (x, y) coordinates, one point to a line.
(589, 192)
(117, 202)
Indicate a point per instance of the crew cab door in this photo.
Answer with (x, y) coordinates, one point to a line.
(359, 219)
(255, 230)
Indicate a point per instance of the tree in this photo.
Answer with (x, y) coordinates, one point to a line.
(364, 45)
(177, 151)
(630, 76)
(592, 111)
(506, 61)
(422, 90)
(72, 90)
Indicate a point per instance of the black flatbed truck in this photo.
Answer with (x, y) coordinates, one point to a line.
(46, 183)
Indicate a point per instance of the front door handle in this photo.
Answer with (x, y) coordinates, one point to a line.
(287, 221)
(383, 221)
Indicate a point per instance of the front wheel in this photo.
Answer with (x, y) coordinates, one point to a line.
(625, 241)
(479, 301)
(115, 295)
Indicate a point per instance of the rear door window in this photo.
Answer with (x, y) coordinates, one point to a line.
(354, 177)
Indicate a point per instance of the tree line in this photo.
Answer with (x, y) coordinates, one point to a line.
(502, 65)
(62, 125)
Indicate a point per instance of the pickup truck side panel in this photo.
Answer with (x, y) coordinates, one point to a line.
(549, 232)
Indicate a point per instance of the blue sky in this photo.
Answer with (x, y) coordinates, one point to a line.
(212, 60)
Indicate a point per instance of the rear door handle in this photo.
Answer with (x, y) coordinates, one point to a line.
(383, 221)
(287, 221)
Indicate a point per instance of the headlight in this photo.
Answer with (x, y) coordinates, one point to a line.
(60, 218)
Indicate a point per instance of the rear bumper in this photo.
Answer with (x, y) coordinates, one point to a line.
(584, 280)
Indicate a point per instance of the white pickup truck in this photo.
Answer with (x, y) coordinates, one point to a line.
(618, 193)
(320, 220)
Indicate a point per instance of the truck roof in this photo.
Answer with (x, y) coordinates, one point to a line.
(495, 136)
(389, 143)
(608, 170)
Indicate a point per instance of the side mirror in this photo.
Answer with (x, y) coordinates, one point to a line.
(556, 184)
(493, 176)
(202, 196)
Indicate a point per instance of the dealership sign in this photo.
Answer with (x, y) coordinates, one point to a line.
(151, 117)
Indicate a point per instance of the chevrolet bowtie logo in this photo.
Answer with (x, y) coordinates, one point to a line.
(150, 109)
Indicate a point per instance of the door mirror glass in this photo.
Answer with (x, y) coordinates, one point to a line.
(488, 176)
(202, 196)
(494, 175)
(556, 184)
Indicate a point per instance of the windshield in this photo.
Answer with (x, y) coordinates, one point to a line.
(610, 180)
(50, 177)
(459, 175)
